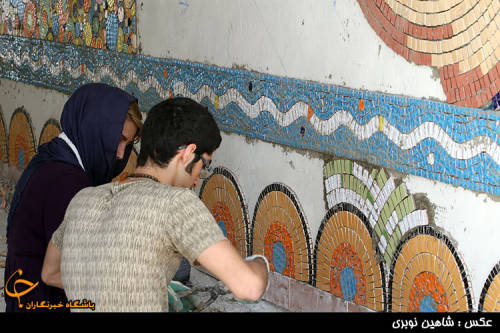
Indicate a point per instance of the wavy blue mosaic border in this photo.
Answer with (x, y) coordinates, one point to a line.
(56, 66)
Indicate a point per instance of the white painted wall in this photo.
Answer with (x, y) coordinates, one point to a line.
(41, 104)
(257, 164)
(327, 41)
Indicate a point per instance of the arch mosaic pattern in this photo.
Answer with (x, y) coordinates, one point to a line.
(101, 24)
(221, 194)
(280, 233)
(451, 144)
(3, 140)
(389, 208)
(461, 38)
(346, 263)
(427, 275)
(21, 139)
(129, 168)
(490, 296)
(50, 130)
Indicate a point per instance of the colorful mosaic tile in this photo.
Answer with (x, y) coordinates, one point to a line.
(221, 194)
(345, 260)
(427, 275)
(456, 145)
(98, 24)
(280, 232)
(3, 140)
(490, 296)
(21, 139)
(50, 130)
(389, 209)
(461, 38)
(129, 168)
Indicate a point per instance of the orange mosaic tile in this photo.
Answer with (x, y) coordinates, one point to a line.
(280, 232)
(345, 260)
(50, 130)
(427, 276)
(21, 141)
(220, 193)
(490, 295)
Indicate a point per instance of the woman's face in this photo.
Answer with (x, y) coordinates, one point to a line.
(128, 134)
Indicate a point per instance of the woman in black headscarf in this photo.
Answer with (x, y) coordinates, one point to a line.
(100, 124)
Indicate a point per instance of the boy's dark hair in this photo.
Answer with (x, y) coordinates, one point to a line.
(173, 123)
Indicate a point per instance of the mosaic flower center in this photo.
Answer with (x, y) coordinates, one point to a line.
(428, 304)
(279, 257)
(346, 275)
(222, 227)
(20, 157)
(427, 294)
(348, 283)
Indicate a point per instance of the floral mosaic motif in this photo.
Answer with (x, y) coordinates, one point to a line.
(461, 38)
(346, 263)
(389, 208)
(21, 139)
(427, 275)
(490, 295)
(101, 24)
(280, 233)
(221, 194)
(455, 145)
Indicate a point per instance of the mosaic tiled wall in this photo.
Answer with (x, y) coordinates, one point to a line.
(375, 247)
(461, 38)
(102, 24)
(374, 233)
(455, 145)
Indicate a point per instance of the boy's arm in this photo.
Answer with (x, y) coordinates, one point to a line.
(246, 279)
(51, 270)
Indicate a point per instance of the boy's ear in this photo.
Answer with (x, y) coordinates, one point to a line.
(187, 154)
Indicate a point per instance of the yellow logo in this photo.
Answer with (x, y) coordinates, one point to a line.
(40, 304)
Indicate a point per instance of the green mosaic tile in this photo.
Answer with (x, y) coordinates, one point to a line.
(399, 211)
(369, 196)
(397, 233)
(374, 174)
(378, 230)
(381, 178)
(328, 170)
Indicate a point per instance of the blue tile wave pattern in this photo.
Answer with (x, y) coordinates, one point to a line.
(455, 145)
